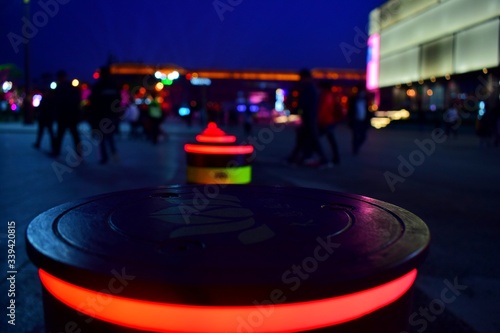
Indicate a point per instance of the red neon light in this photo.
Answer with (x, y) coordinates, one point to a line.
(166, 317)
(218, 150)
(214, 134)
(216, 139)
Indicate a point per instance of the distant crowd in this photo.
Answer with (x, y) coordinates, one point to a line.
(320, 110)
(107, 105)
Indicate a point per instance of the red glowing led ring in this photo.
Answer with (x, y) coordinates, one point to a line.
(218, 150)
(168, 317)
(215, 139)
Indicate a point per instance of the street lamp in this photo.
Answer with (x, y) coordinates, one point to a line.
(28, 114)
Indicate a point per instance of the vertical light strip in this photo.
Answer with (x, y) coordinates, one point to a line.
(373, 62)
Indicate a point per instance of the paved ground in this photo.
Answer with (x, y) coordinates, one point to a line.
(454, 189)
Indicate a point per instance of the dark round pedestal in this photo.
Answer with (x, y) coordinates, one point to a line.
(227, 258)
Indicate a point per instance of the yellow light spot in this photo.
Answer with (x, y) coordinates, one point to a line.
(411, 93)
(159, 86)
(75, 83)
(380, 122)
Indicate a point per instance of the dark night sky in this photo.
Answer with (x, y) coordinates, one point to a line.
(255, 34)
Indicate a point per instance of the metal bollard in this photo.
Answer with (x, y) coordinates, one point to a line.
(216, 159)
(230, 258)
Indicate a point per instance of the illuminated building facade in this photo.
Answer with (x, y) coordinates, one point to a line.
(426, 54)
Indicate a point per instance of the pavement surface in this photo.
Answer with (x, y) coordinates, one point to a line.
(453, 184)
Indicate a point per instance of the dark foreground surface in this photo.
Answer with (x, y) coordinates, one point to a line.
(451, 183)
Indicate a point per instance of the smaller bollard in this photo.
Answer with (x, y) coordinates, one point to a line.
(216, 159)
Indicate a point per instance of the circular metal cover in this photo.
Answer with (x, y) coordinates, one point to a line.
(228, 244)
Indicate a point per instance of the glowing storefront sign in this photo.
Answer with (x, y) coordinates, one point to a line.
(373, 62)
(200, 81)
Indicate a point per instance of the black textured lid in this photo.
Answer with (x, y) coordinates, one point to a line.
(228, 244)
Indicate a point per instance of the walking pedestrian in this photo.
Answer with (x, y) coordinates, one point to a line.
(451, 119)
(485, 128)
(46, 118)
(359, 118)
(155, 114)
(307, 143)
(329, 115)
(105, 105)
(67, 101)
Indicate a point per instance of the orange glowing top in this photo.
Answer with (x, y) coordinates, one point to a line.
(214, 134)
(169, 317)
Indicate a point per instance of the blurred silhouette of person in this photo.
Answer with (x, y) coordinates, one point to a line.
(67, 101)
(307, 140)
(155, 115)
(133, 117)
(329, 115)
(358, 117)
(212, 113)
(421, 116)
(496, 135)
(248, 120)
(451, 119)
(243, 103)
(131, 112)
(46, 118)
(106, 110)
(485, 127)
